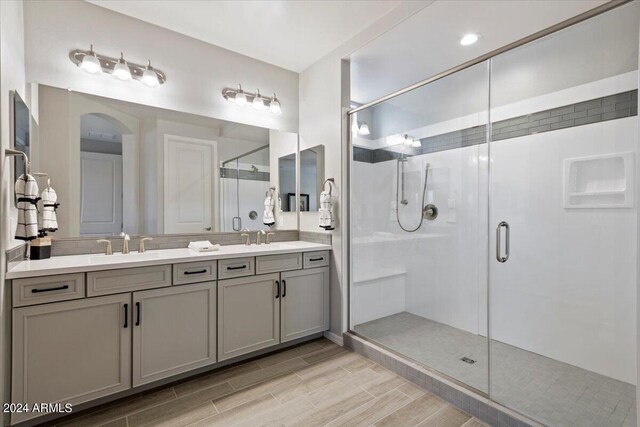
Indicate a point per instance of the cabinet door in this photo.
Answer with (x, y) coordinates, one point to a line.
(248, 314)
(305, 302)
(71, 352)
(174, 331)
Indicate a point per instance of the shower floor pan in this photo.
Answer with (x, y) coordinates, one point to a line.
(549, 391)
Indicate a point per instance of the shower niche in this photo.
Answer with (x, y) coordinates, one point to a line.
(604, 181)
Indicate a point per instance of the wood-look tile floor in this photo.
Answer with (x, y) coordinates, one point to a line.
(314, 384)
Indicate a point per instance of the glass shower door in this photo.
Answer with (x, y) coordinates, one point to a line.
(419, 225)
(563, 218)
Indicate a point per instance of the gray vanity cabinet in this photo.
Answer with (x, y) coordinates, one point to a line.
(71, 352)
(304, 302)
(174, 331)
(248, 314)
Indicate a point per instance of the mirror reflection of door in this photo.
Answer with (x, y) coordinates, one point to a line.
(101, 179)
(188, 184)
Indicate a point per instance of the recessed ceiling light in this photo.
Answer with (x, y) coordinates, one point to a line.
(469, 39)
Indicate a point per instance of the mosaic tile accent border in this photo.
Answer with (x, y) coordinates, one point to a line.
(596, 110)
(244, 174)
(474, 404)
(88, 245)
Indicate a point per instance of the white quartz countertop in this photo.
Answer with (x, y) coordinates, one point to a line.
(95, 262)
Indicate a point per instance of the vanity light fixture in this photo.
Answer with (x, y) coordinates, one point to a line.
(121, 69)
(95, 63)
(149, 76)
(416, 143)
(90, 62)
(274, 106)
(408, 140)
(469, 39)
(239, 97)
(258, 102)
(363, 129)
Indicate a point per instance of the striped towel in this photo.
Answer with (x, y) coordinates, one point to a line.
(49, 200)
(27, 199)
(269, 205)
(326, 216)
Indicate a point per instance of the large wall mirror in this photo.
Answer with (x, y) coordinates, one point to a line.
(123, 167)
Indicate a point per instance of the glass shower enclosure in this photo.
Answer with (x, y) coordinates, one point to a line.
(493, 224)
(244, 183)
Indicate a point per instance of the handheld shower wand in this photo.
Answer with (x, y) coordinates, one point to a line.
(429, 211)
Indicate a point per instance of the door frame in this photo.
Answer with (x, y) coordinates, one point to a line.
(215, 178)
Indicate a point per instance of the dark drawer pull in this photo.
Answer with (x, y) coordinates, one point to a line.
(126, 315)
(196, 272)
(59, 288)
(316, 259)
(138, 314)
(242, 267)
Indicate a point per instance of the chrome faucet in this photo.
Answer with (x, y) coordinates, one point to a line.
(269, 237)
(258, 234)
(141, 248)
(245, 233)
(107, 250)
(125, 242)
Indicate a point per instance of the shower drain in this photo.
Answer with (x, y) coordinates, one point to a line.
(468, 360)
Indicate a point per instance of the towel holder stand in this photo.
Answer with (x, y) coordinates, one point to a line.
(331, 182)
(9, 152)
(44, 174)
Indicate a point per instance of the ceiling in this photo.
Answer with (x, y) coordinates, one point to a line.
(288, 34)
(428, 42)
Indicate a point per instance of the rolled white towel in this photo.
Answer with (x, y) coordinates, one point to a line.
(27, 199)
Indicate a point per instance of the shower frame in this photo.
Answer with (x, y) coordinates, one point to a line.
(348, 151)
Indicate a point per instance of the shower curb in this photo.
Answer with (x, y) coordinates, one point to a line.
(479, 406)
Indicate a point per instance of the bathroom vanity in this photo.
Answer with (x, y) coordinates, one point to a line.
(90, 326)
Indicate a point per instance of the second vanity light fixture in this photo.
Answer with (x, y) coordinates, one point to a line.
(257, 101)
(93, 63)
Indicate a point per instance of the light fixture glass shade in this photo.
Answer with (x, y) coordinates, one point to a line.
(408, 140)
(241, 98)
(364, 129)
(91, 64)
(274, 106)
(416, 143)
(121, 69)
(258, 102)
(149, 77)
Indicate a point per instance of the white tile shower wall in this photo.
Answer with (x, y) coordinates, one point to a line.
(568, 291)
(440, 262)
(252, 195)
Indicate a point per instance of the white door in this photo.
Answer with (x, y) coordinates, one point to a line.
(174, 331)
(188, 184)
(100, 194)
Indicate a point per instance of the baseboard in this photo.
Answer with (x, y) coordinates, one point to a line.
(334, 337)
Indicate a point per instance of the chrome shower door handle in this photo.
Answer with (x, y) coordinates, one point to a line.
(501, 225)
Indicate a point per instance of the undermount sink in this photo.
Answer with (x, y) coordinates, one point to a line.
(130, 255)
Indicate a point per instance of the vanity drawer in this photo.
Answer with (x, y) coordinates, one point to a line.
(236, 267)
(275, 263)
(40, 290)
(194, 272)
(127, 279)
(316, 259)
